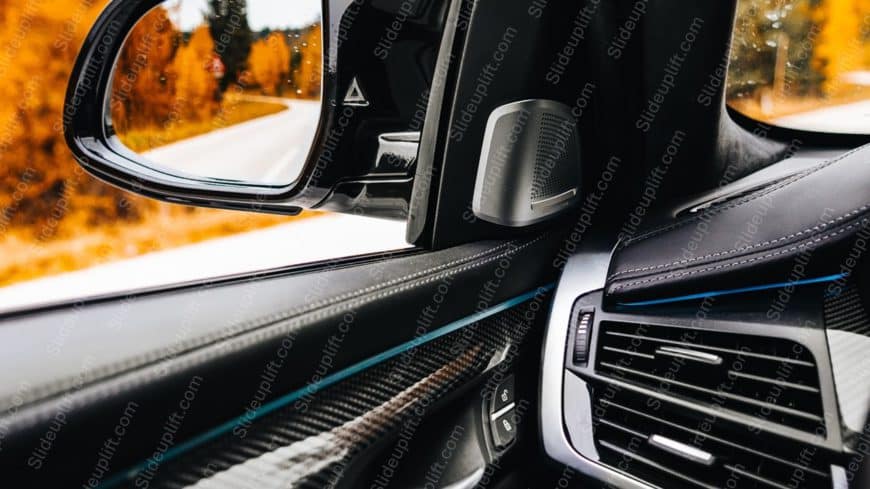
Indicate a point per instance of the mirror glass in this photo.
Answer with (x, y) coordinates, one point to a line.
(221, 89)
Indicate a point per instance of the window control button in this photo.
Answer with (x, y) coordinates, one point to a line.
(504, 395)
(504, 428)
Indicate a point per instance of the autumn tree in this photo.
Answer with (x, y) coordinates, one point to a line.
(842, 44)
(308, 62)
(231, 32)
(269, 63)
(142, 92)
(41, 186)
(196, 88)
(54, 216)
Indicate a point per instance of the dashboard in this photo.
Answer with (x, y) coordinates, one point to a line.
(762, 387)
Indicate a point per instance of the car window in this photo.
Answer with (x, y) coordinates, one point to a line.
(66, 235)
(802, 64)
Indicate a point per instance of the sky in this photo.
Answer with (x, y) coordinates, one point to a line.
(275, 14)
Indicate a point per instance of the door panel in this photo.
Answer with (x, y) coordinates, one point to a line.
(193, 370)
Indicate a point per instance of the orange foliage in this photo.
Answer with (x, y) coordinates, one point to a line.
(269, 63)
(162, 81)
(843, 44)
(40, 185)
(308, 75)
(275, 65)
(196, 88)
(140, 95)
(49, 206)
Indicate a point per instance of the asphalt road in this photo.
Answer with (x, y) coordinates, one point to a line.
(851, 118)
(269, 150)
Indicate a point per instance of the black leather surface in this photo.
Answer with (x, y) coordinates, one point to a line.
(85, 364)
(794, 228)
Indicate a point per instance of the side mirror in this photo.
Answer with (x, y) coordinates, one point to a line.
(253, 104)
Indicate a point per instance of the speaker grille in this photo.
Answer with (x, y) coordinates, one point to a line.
(554, 139)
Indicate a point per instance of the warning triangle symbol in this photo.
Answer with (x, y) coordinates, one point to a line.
(355, 95)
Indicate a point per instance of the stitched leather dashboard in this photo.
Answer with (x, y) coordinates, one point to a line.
(811, 215)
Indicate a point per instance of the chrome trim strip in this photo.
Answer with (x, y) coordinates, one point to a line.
(494, 416)
(652, 463)
(714, 348)
(839, 478)
(402, 137)
(556, 199)
(687, 354)
(687, 452)
(628, 352)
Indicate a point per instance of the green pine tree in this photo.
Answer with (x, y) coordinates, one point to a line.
(228, 23)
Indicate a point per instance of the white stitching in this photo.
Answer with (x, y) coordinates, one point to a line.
(732, 264)
(738, 250)
(241, 328)
(257, 330)
(759, 193)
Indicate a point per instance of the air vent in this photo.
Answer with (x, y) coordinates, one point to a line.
(768, 379)
(673, 447)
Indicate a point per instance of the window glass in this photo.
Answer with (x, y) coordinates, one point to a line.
(65, 234)
(803, 64)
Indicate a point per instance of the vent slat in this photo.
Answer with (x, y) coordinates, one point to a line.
(697, 433)
(763, 405)
(781, 383)
(772, 358)
(624, 429)
(629, 352)
(752, 476)
(655, 465)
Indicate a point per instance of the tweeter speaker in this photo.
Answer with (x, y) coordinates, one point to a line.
(529, 166)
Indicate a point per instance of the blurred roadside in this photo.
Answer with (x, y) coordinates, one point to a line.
(54, 217)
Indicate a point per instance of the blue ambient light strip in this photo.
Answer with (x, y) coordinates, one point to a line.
(714, 293)
(328, 381)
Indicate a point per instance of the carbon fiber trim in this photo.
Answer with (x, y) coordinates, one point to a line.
(313, 441)
(845, 312)
(848, 329)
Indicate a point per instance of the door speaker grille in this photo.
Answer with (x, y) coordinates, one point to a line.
(554, 139)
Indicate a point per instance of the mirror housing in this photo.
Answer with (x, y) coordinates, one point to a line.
(366, 97)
